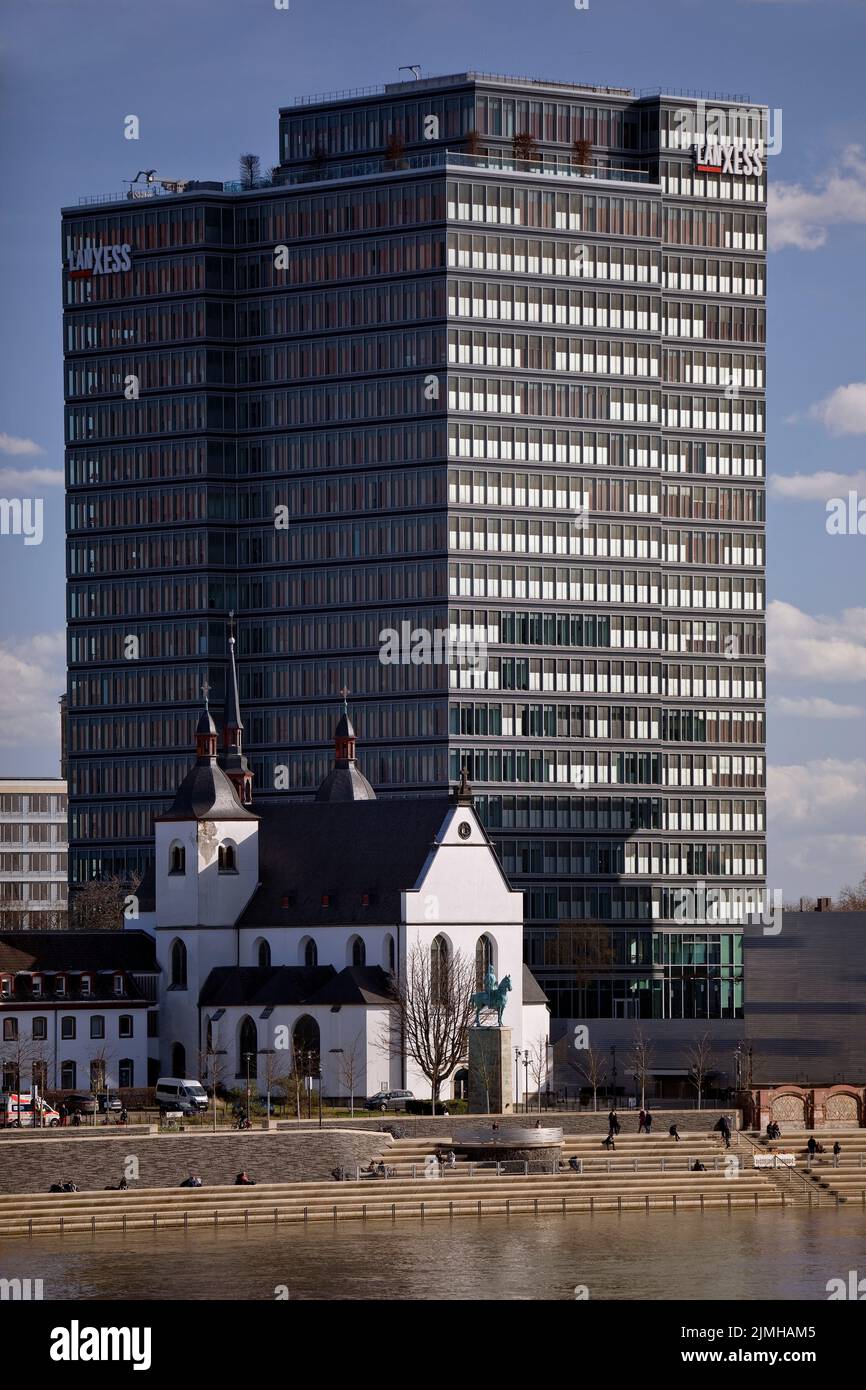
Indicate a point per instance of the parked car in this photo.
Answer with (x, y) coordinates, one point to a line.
(112, 1103)
(389, 1100)
(84, 1102)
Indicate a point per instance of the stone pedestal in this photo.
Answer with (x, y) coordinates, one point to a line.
(491, 1059)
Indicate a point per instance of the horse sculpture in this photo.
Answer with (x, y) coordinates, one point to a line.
(491, 999)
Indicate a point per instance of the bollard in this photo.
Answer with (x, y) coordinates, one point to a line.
(536, 1206)
(216, 1224)
(155, 1220)
(422, 1211)
(508, 1204)
(450, 1211)
(124, 1223)
(563, 1206)
(756, 1199)
(246, 1218)
(647, 1203)
(863, 1197)
(61, 1225)
(393, 1211)
(30, 1229)
(729, 1204)
(93, 1225)
(276, 1216)
(591, 1204)
(335, 1213)
(479, 1206)
(619, 1203)
(675, 1201)
(305, 1216)
(702, 1202)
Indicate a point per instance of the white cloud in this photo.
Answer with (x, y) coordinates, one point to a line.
(18, 480)
(824, 793)
(11, 444)
(813, 707)
(801, 217)
(32, 678)
(805, 647)
(844, 410)
(814, 487)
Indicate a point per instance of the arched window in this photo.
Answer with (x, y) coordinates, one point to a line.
(177, 859)
(178, 966)
(248, 1047)
(483, 960)
(306, 1046)
(227, 858)
(357, 951)
(178, 1060)
(389, 954)
(311, 953)
(264, 955)
(439, 971)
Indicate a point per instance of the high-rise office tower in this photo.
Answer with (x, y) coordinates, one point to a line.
(483, 358)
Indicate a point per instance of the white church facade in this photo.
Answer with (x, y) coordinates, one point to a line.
(283, 930)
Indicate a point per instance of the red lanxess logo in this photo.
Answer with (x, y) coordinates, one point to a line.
(712, 157)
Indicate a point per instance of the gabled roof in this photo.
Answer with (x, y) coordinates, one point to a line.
(49, 951)
(343, 850)
(251, 985)
(357, 984)
(532, 991)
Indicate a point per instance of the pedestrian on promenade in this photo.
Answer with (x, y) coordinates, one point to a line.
(674, 1134)
(641, 1122)
(724, 1129)
(192, 1181)
(648, 1122)
(613, 1122)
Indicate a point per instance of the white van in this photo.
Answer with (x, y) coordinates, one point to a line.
(180, 1093)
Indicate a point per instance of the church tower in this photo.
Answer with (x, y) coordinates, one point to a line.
(232, 759)
(345, 781)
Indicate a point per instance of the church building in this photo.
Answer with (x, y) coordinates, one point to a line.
(284, 930)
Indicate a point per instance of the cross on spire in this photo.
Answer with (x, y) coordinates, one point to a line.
(344, 691)
(205, 690)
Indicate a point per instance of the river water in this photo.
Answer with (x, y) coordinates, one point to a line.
(748, 1255)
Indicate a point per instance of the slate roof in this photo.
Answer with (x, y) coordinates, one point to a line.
(345, 782)
(206, 794)
(343, 850)
(78, 950)
(253, 987)
(532, 991)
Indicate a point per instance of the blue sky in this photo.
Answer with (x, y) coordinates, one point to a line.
(205, 78)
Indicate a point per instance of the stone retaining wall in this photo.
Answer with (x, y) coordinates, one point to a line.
(164, 1160)
(578, 1122)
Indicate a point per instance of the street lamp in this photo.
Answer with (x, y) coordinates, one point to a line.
(517, 1079)
(526, 1081)
(248, 1056)
(213, 1054)
(268, 1052)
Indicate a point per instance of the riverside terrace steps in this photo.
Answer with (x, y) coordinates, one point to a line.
(275, 1204)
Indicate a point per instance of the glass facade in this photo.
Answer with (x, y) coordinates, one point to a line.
(515, 401)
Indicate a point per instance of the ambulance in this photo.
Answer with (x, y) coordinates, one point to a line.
(18, 1110)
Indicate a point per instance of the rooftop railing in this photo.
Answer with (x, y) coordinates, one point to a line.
(365, 168)
(443, 80)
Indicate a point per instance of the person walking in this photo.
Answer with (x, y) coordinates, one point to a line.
(613, 1122)
(648, 1122)
(674, 1133)
(641, 1121)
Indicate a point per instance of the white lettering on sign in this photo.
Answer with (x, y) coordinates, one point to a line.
(99, 260)
(715, 158)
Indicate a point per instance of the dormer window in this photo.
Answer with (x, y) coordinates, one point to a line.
(227, 858)
(177, 859)
(60, 986)
(5, 986)
(86, 987)
(118, 984)
(36, 986)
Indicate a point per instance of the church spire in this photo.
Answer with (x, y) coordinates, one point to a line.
(232, 759)
(205, 733)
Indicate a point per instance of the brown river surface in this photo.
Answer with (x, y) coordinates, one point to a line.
(747, 1255)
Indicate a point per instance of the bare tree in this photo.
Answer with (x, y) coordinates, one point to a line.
(582, 150)
(640, 1062)
(100, 904)
(429, 1020)
(852, 899)
(524, 145)
(538, 1066)
(593, 1067)
(250, 168)
(700, 1060)
(212, 1065)
(350, 1069)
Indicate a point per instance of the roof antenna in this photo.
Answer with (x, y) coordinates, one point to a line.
(414, 68)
